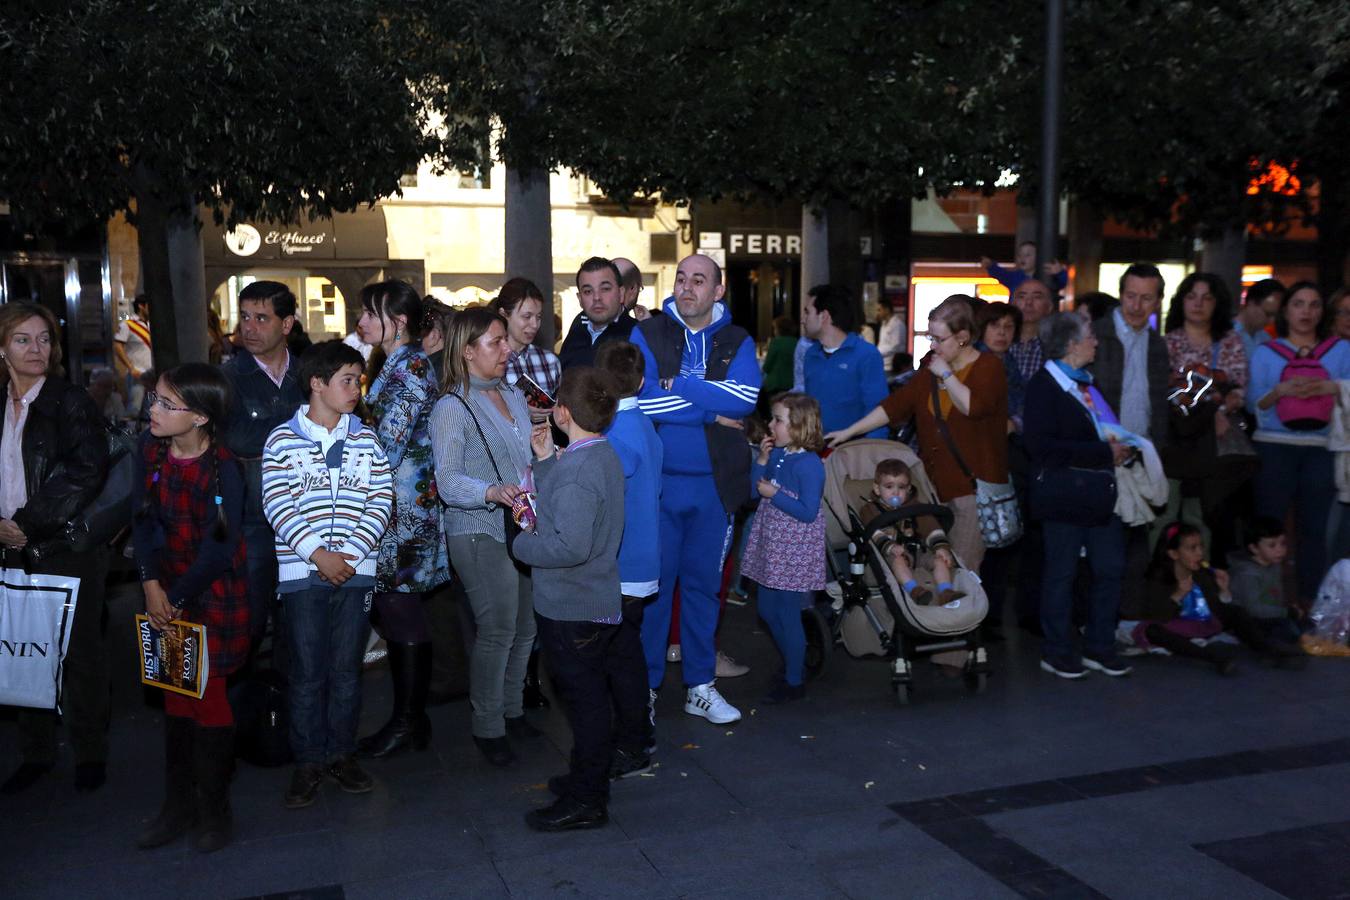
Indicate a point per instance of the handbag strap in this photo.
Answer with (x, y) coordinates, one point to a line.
(942, 428)
(482, 437)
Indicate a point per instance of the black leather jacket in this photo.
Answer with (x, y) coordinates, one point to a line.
(65, 462)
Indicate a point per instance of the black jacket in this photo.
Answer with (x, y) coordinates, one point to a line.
(577, 349)
(65, 459)
(1108, 371)
(1059, 434)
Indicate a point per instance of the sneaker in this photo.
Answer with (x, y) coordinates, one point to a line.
(1108, 664)
(625, 765)
(304, 785)
(673, 653)
(1064, 668)
(350, 776)
(782, 692)
(738, 597)
(728, 667)
(704, 700)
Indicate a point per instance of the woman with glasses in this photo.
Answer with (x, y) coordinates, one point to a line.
(972, 395)
(1208, 455)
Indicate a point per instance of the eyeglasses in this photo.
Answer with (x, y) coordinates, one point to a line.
(935, 339)
(156, 400)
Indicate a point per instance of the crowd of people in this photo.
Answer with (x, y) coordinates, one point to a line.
(584, 504)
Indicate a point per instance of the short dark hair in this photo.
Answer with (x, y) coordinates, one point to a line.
(993, 312)
(1282, 319)
(1098, 304)
(140, 300)
(514, 291)
(597, 263)
(1143, 270)
(324, 359)
(835, 300)
(1220, 323)
(395, 297)
(590, 397)
(624, 363)
(1262, 527)
(892, 468)
(280, 296)
(1263, 289)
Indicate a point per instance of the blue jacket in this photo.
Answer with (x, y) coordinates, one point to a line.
(802, 474)
(1011, 278)
(639, 450)
(848, 383)
(1265, 367)
(684, 412)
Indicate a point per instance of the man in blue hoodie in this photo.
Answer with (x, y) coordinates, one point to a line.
(698, 366)
(844, 373)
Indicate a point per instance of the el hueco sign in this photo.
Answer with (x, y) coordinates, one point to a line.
(247, 240)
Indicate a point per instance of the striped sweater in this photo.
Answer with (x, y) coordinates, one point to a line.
(307, 511)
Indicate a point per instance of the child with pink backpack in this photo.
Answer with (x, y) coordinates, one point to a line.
(1292, 392)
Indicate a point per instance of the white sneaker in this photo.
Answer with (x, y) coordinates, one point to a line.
(704, 700)
(673, 653)
(728, 667)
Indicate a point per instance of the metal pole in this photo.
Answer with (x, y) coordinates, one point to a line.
(1047, 217)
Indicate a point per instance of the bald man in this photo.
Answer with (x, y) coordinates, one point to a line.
(699, 367)
(631, 287)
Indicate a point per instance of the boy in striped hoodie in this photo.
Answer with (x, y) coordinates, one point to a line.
(327, 493)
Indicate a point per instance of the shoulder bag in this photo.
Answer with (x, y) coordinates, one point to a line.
(1000, 514)
(510, 527)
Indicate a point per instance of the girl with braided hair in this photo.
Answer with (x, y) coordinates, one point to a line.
(190, 554)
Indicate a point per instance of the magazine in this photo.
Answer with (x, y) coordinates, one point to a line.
(174, 659)
(535, 396)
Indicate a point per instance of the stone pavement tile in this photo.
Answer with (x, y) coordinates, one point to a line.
(672, 799)
(1175, 871)
(929, 812)
(478, 881)
(986, 848)
(919, 876)
(1053, 884)
(139, 876)
(718, 847)
(251, 868)
(1122, 781)
(1310, 863)
(506, 838)
(1224, 765)
(1019, 796)
(608, 870)
(419, 841)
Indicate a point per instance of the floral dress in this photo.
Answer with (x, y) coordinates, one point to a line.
(412, 555)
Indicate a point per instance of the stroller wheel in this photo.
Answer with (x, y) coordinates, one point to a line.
(819, 641)
(901, 689)
(976, 682)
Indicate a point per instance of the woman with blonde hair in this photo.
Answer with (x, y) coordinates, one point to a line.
(480, 435)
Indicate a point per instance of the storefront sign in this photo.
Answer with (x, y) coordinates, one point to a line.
(311, 240)
(763, 243)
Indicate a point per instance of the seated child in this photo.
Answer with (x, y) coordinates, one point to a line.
(1256, 580)
(1185, 601)
(908, 545)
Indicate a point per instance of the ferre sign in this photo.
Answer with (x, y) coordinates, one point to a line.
(763, 243)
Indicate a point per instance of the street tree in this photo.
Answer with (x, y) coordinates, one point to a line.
(265, 110)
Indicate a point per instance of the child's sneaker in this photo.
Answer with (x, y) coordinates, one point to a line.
(704, 700)
(728, 667)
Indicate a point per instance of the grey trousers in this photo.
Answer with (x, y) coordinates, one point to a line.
(503, 612)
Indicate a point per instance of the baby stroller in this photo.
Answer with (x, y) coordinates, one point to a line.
(870, 614)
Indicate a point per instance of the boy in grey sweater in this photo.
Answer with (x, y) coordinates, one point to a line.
(573, 550)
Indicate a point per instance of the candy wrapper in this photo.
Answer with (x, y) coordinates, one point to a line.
(535, 396)
(522, 508)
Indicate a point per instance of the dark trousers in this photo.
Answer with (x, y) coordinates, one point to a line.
(85, 698)
(1305, 478)
(450, 650)
(260, 545)
(1106, 555)
(577, 654)
(626, 670)
(1234, 619)
(327, 634)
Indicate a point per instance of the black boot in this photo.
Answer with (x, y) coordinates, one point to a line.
(410, 668)
(213, 764)
(533, 697)
(180, 806)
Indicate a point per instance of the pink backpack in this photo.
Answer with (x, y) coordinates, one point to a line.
(1304, 413)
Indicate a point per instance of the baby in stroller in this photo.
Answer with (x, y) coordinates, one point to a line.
(916, 549)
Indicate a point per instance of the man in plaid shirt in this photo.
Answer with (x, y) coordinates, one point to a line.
(1033, 298)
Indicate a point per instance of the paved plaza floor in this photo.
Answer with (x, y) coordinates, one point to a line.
(1173, 782)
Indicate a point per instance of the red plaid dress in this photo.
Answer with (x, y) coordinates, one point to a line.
(186, 514)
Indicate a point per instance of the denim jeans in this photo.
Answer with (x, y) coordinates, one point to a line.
(1106, 556)
(626, 669)
(1304, 477)
(327, 634)
(577, 654)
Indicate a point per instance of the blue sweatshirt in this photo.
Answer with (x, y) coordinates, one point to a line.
(691, 403)
(847, 383)
(1265, 368)
(800, 474)
(639, 450)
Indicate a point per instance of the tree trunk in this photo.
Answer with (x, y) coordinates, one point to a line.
(529, 240)
(815, 248)
(172, 272)
(1085, 245)
(845, 242)
(152, 232)
(1224, 255)
(187, 274)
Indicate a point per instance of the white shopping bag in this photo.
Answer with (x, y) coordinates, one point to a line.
(36, 615)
